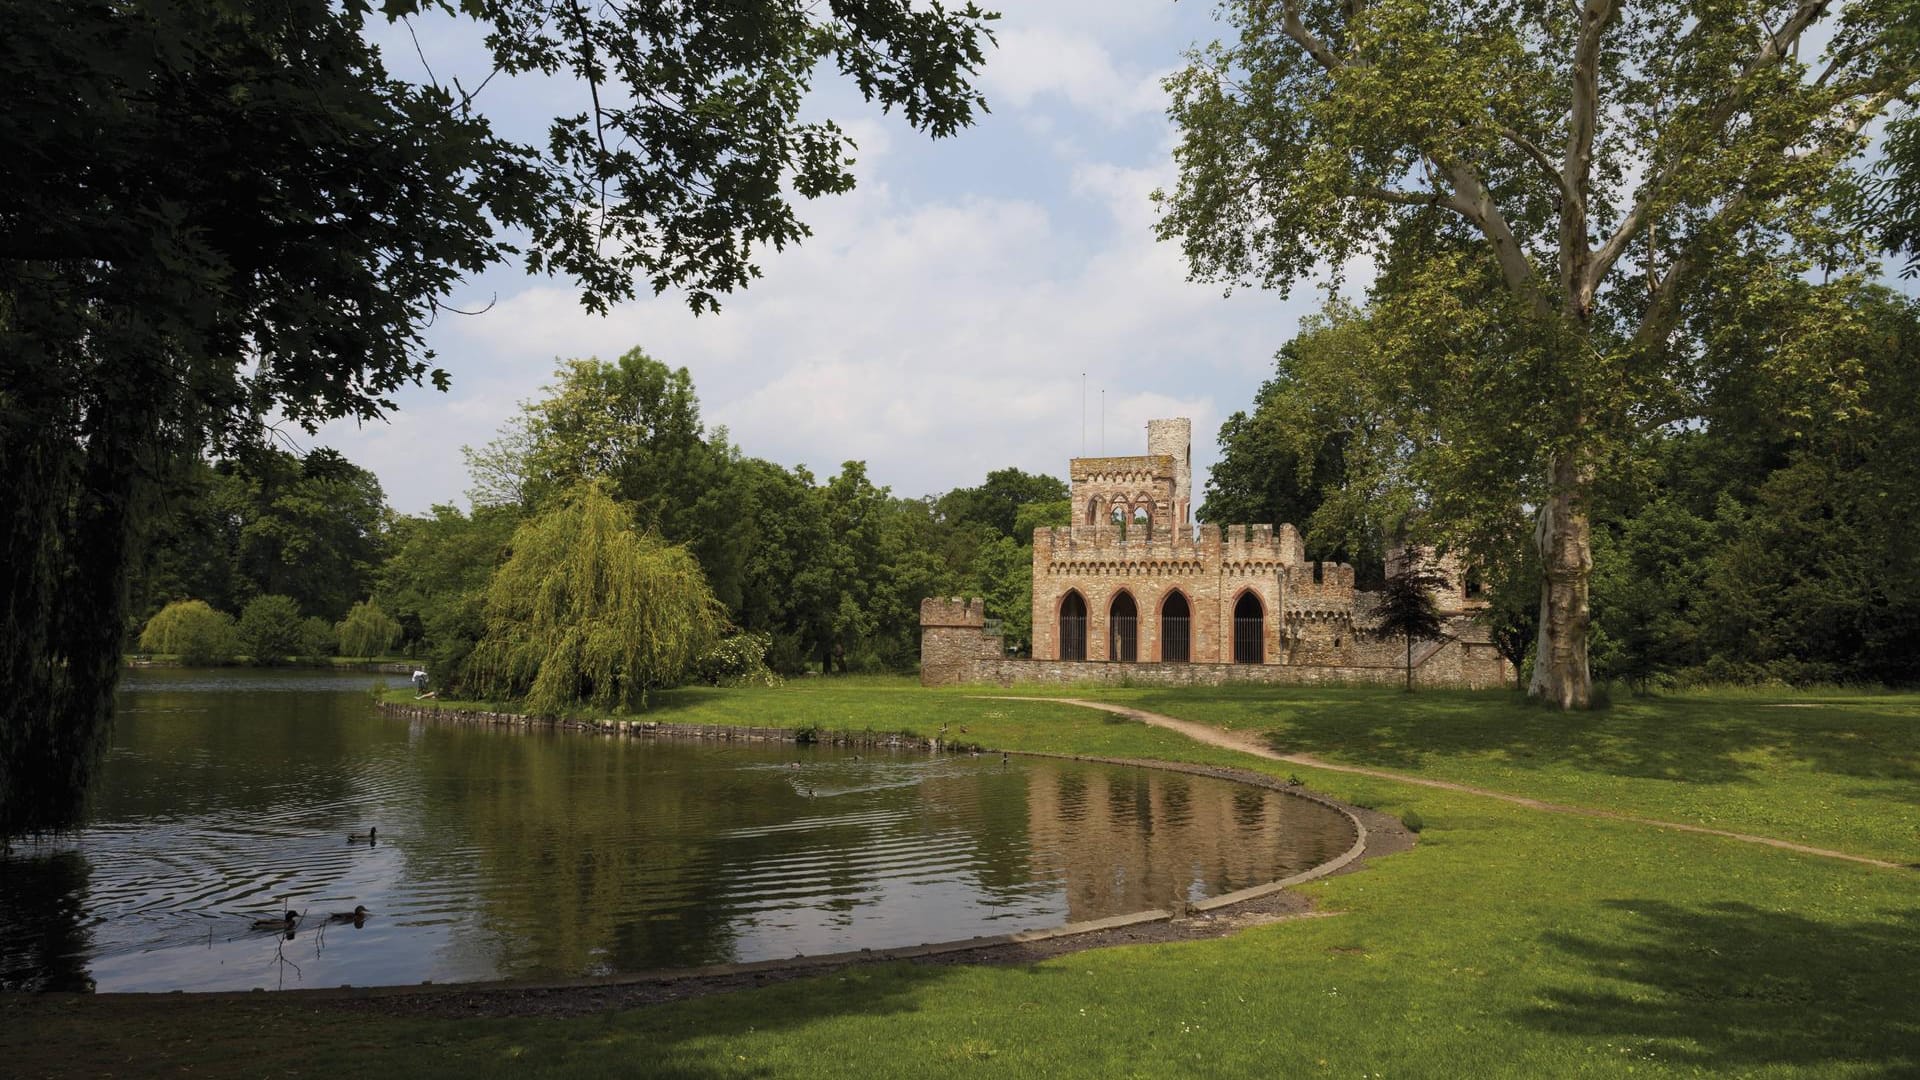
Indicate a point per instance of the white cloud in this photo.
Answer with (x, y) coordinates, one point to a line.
(1034, 62)
(929, 328)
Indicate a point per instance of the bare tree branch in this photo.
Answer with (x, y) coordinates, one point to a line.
(1577, 169)
(1533, 150)
(1473, 200)
(1305, 38)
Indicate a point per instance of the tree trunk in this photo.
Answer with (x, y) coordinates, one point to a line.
(1560, 672)
(1409, 663)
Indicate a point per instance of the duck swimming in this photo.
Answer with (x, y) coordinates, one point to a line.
(285, 922)
(358, 916)
(365, 837)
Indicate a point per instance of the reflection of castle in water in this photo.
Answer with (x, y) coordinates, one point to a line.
(1135, 839)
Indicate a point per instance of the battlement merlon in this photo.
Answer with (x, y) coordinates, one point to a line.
(1209, 544)
(953, 611)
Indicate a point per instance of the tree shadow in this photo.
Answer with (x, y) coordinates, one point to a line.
(1730, 986)
(1696, 741)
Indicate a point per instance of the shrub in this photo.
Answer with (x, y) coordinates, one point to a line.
(191, 630)
(270, 628)
(740, 660)
(1412, 820)
(367, 631)
(317, 637)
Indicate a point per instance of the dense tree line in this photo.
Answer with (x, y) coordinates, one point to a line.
(1572, 204)
(827, 573)
(1762, 537)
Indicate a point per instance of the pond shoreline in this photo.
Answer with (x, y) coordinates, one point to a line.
(866, 737)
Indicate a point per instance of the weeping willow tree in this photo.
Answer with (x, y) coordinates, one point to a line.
(590, 611)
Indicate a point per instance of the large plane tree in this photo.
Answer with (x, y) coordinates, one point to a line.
(1628, 176)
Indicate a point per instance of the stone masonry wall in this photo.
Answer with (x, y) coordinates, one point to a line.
(1210, 567)
(954, 640)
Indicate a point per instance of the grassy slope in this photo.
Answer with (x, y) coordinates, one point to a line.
(1509, 943)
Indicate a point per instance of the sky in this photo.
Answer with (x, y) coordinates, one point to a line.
(939, 321)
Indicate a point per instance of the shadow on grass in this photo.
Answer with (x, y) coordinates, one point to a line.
(1692, 740)
(722, 1035)
(1730, 986)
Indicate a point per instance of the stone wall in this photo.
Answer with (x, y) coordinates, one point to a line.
(1208, 566)
(954, 639)
(1146, 481)
(957, 650)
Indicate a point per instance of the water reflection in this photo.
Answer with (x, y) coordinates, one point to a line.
(509, 853)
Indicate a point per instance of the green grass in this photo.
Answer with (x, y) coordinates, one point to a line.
(1508, 943)
(1833, 769)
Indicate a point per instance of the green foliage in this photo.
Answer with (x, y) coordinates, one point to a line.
(191, 630)
(436, 582)
(234, 212)
(318, 638)
(367, 631)
(1260, 478)
(270, 629)
(1405, 607)
(1040, 515)
(997, 502)
(1546, 193)
(737, 660)
(1412, 820)
(589, 611)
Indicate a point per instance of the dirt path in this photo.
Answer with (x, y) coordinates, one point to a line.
(1247, 743)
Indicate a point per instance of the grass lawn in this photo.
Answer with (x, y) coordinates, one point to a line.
(1508, 943)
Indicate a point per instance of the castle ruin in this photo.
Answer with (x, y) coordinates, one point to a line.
(1133, 591)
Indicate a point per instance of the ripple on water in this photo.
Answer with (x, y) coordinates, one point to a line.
(530, 854)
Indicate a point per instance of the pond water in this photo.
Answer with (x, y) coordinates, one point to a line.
(512, 854)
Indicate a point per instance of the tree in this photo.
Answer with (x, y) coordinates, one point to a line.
(589, 611)
(1406, 609)
(270, 628)
(318, 638)
(1615, 170)
(996, 503)
(192, 631)
(213, 212)
(635, 424)
(436, 581)
(367, 631)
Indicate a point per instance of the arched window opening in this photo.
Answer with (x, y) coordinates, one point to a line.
(1119, 514)
(1093, 510)
(1176, 629)
(1473, 586)
(1123, 629)
(1073, 627)
(1249, 630)
(1143, 521)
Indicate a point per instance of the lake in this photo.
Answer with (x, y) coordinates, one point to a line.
(504, 853)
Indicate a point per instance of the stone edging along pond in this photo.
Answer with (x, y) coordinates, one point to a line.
(1375, 834)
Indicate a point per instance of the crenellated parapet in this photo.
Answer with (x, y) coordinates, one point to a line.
(1236, 550)
(953, 611)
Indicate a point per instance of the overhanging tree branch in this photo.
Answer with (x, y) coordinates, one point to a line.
(1776, 47)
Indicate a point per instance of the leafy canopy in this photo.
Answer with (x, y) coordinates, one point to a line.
(589, 611)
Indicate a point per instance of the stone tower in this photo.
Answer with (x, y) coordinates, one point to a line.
(1174, 438)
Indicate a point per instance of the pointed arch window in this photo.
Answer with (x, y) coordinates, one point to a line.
(1073, 627)
(1142, 521)
(1123, 629)
(1249, 630)
(1176, 629)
